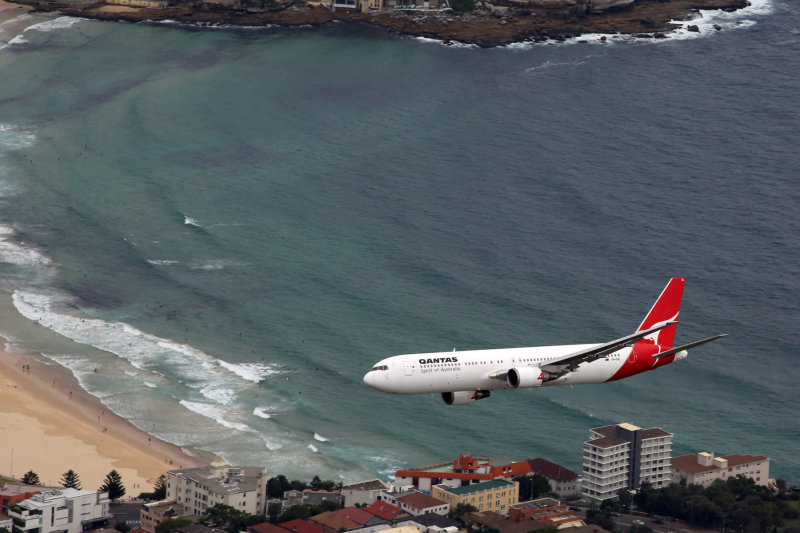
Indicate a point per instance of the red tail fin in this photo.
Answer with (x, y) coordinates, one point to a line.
(666, 308)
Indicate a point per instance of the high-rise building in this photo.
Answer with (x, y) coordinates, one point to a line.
(196, 489)
(623, 457)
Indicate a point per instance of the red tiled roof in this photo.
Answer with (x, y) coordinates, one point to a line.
(419, 500)
(735, 459)
(265, 527)
(334, 521)
(384, 510)
(688, 463)
(355, 514)
(302, 526)
(552, 470)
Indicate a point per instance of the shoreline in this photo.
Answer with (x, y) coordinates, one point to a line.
(49, 424)
(484, 28)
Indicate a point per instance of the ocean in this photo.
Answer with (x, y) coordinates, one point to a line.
(219, 230)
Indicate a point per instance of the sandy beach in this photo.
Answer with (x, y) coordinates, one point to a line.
(48, 424)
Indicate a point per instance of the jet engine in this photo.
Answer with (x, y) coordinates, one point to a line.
(464, 397)
(525, 376)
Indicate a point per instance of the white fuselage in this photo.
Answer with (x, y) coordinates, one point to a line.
(483, 369)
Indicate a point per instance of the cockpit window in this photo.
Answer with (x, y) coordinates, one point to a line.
(380, 367)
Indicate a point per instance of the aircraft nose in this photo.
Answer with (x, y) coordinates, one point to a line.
(369, 379)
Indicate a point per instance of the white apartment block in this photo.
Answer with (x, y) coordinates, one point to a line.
(61, 511)
(703, 468)
(243, 488)
(625, 456)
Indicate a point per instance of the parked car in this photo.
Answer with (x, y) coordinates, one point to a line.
(638, 522)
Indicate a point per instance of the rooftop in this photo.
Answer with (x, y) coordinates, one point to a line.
(373, 484)
(419, 500)
(223, 479)
(688, 463)
(478, 487)
(384, 510)
(552, 470)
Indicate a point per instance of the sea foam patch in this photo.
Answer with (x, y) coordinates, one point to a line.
(215, 413)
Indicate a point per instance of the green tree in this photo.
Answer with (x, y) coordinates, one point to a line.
(457, 512)
(70, 480)
(172, 525)
(160, 488)
(225, 517)
(113, 486)
(277, 485)
(31, 478)
(122, 526)
(295, 511)
(532, 486)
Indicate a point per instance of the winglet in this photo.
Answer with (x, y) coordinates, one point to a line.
(688, 346)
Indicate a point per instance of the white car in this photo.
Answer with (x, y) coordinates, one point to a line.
(638, 522)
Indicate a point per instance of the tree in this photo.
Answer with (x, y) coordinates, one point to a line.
(532, 486)
(232, 520)
(460, 510)
(172, 525)
(160, 488)
(295, 511)
(31, 478)
(276, 486)
(113, 486)
(70, 480)
(122, 527)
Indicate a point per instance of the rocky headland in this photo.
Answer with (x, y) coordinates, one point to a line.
(483, 23)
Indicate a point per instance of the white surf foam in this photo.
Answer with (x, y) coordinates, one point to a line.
(320, 438)
(216, 380)
(261, 412)
(18, 253)
(313, 448)
(189, 221)
(271, 446)
(255, 372)
(214, 413)
(162, 262)
(55, 24)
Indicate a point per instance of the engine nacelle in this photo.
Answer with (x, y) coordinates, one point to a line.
(464, 397)
(525, 376)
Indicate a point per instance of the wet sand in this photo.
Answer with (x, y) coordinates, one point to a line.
(48, 424)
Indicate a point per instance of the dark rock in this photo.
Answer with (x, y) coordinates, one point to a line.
(659, 35)
(693, 27)
(717, 27)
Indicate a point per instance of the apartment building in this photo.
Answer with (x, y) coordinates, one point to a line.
(415, 502)
(703, 468)
(61, 511)
(623, 457)
(563, 481)
(152, 514)
(496, 495)
(243, 488)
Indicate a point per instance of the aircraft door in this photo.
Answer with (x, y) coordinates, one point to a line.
(632, 356)
(408, 366)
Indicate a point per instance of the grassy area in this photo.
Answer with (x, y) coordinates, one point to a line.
(794, 523)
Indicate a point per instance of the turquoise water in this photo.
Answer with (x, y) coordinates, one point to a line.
(232, 226)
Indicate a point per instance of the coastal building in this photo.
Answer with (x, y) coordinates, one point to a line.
(265, 527)
(563, 481)
(13, 493)
(496, 495)
(547, 511)
(703, 468)
(61, 511)
(243, 488)
(386, 511)
(6, 522)
(466, 470)
(152, 514)
(416, 503)
(623, 457)
(363, 492)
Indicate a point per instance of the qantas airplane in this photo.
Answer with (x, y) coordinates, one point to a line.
(464, 377)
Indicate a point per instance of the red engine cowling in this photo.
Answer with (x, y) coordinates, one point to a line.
(525, 376)
(464, 397)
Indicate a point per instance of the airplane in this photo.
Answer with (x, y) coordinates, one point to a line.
(465, 377)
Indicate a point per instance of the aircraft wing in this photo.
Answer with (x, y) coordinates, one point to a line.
(687, 346)
(570, 362)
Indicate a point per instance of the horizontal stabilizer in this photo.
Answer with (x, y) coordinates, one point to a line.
(688, 346)
(590, 354)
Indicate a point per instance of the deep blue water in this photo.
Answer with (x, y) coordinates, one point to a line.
(232, 226)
